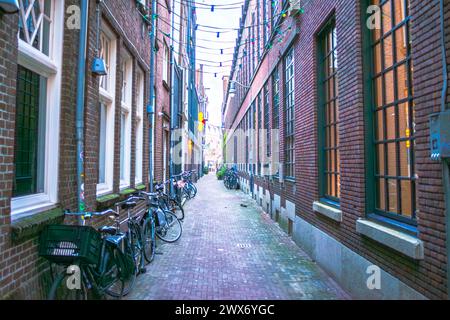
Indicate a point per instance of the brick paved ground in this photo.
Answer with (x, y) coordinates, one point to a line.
(208, 262)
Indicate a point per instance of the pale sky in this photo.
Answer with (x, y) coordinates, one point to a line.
(220, 18)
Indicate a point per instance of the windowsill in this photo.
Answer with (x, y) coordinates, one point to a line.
(29, 227)
(327, 211)
(103, 189)
(399, 241)
(289, 179)
(26, 206)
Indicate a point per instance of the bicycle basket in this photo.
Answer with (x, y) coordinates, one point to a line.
(65, 243)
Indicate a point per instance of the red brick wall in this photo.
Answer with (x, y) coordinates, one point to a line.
(427, 276)
(22, 274)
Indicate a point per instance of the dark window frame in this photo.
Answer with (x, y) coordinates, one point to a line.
(289, 115)
(328, 130)
(395, 219)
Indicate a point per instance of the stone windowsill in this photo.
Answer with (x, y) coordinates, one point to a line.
(399, 241)
(328, 211)
(31, 226)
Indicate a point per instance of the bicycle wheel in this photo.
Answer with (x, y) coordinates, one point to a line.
(137, 245)
(176, 209)
(60, 288)
(148, 235)
(127, 271)
(171, 230)
(194, 189)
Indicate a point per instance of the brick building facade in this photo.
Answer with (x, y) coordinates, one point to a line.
(38, 73)
(339, 92)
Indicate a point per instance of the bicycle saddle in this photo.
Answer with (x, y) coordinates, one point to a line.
(128, 205)
(108, 230)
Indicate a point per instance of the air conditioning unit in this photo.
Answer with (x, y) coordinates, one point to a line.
(294, 7)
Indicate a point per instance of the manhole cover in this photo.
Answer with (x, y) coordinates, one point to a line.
(244, 245)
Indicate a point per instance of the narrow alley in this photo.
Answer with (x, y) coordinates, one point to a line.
(230, 249)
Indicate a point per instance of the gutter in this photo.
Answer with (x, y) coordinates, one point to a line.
(151, 109)
(445, 162)
(81, 76)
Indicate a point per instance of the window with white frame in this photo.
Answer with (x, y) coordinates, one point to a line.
(37, 107)
(166, 63)
(139, 126)
(107, 112)
(125, 121)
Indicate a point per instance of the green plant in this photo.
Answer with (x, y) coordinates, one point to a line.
(205, 170)
(221, 173)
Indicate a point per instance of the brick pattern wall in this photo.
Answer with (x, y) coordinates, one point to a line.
(23, 275)
(8, 76)
(427, 276)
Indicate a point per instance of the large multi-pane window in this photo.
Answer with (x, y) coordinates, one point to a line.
(258, 132)
(36, 141)
(125, 122)
(267, 118)
(289, 115)
(29, 135)
(139, 127)
(329, 114)
(393, 112)
(106, 112)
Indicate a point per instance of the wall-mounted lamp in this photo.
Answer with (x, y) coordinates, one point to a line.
(9, 6)
(98, 65)
(232, 90)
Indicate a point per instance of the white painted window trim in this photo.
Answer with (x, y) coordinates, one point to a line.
(50, 68)
(126, 107)
(107, 97)
(139, 130)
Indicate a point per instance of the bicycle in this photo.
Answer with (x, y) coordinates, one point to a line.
(230, 179)
(104, 258)
(189, 186)
(161, 222)
(134, 231)
(168, 201)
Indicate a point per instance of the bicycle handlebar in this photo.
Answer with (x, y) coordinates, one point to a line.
(91, 214)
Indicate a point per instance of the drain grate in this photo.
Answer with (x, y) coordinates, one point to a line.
(244, 245)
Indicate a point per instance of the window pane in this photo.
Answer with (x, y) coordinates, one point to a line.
(392, 159)
(380, 159)
(388, 53)
(102, 145)
(386, 16)
(392, 192)
(400, 44)
(402, 82)
(381, 200)
(29, 134)
(406, 198)
(390, 123)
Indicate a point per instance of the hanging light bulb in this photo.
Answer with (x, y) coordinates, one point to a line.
(9, 6)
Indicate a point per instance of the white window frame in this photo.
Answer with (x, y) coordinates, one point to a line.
(107, 97)
(50, 68)
(139, 128)
(126, 108)
(166, 61)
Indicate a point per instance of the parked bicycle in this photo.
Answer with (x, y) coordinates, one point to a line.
(231, 179)
(102, 259)
(162, 223)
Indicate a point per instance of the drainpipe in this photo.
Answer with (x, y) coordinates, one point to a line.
(80, 104)
(151, 108)
(172, 98)
(445, 162)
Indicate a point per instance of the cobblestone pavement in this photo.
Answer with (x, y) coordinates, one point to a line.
(228, 251)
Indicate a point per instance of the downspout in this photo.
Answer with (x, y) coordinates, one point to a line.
(172, 96)
(80, 104)
(445, 162)
(151, 109)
